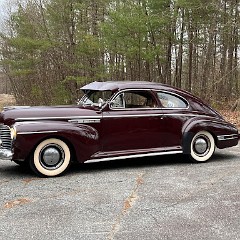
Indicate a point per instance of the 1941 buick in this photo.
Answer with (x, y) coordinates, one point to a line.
(113, 120)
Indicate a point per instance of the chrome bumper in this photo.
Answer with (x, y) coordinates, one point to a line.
(228, 137)
(6, 154)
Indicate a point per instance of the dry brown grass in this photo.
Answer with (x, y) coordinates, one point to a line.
(232, 117)
(6, 100)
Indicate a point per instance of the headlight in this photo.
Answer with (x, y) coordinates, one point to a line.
(13, 133)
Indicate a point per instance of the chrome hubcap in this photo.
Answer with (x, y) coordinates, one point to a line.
(201, 146)
(51, 156)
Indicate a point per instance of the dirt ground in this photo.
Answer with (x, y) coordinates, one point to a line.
(233, 117)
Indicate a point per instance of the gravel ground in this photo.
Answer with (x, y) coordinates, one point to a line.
(150, 198)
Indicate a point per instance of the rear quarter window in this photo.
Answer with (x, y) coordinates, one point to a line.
(169, 100)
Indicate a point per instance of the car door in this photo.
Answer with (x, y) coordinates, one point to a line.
(175, 111)
(132, 123)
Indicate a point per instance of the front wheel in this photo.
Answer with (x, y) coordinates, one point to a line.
(50, 158)
(202, 147)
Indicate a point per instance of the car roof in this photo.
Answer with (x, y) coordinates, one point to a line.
(121, 85)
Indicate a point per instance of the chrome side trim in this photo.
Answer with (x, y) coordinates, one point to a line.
(134, 115)
(91, 119)
(132, 156)
(97, 120)
(25, 133)
(53, 118)
(13, 107)
(227, 137)
(157, 115)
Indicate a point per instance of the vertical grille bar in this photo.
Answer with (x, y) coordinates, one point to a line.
(5, 136)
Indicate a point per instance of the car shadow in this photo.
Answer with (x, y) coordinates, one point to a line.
(15, 171)
(222, 156)
(156, 161)
(131, 163)
(12, 170)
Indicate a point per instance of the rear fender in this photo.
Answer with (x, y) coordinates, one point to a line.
(216, 127)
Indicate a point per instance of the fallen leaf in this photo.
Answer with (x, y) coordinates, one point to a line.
(16, 202)
(28, 180)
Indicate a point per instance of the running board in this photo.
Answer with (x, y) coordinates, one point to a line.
(132, 156)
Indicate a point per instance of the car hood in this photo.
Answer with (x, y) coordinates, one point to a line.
(10, 115)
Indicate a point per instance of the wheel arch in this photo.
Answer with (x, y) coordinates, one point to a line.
(192, 130)
(60, 137)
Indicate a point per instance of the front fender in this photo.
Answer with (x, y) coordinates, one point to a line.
(82, 139)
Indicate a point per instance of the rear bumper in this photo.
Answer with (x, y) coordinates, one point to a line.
(226, 141)
(6, 154)
(228, 137)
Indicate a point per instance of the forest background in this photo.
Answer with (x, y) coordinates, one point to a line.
(50, 48)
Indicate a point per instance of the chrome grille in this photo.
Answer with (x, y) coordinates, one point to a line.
(5, 136)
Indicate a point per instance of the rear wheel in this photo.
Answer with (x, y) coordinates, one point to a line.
(50, 158)
(202, 147)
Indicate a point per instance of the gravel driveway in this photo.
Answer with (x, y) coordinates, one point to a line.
(151, 198)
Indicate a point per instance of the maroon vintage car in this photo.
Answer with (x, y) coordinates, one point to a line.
(113, 120)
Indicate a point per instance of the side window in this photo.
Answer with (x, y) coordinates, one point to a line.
(134, 99)
(118, 102)
(171, 101)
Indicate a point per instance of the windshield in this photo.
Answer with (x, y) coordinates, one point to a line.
(95, 98)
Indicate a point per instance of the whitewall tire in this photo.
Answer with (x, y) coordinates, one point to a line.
(50, 158)
(202, 147)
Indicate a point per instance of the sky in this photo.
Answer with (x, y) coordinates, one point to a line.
(3, 12)
(6, 6)
(3, 7)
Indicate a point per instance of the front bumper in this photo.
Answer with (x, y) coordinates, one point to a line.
(6, 154)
